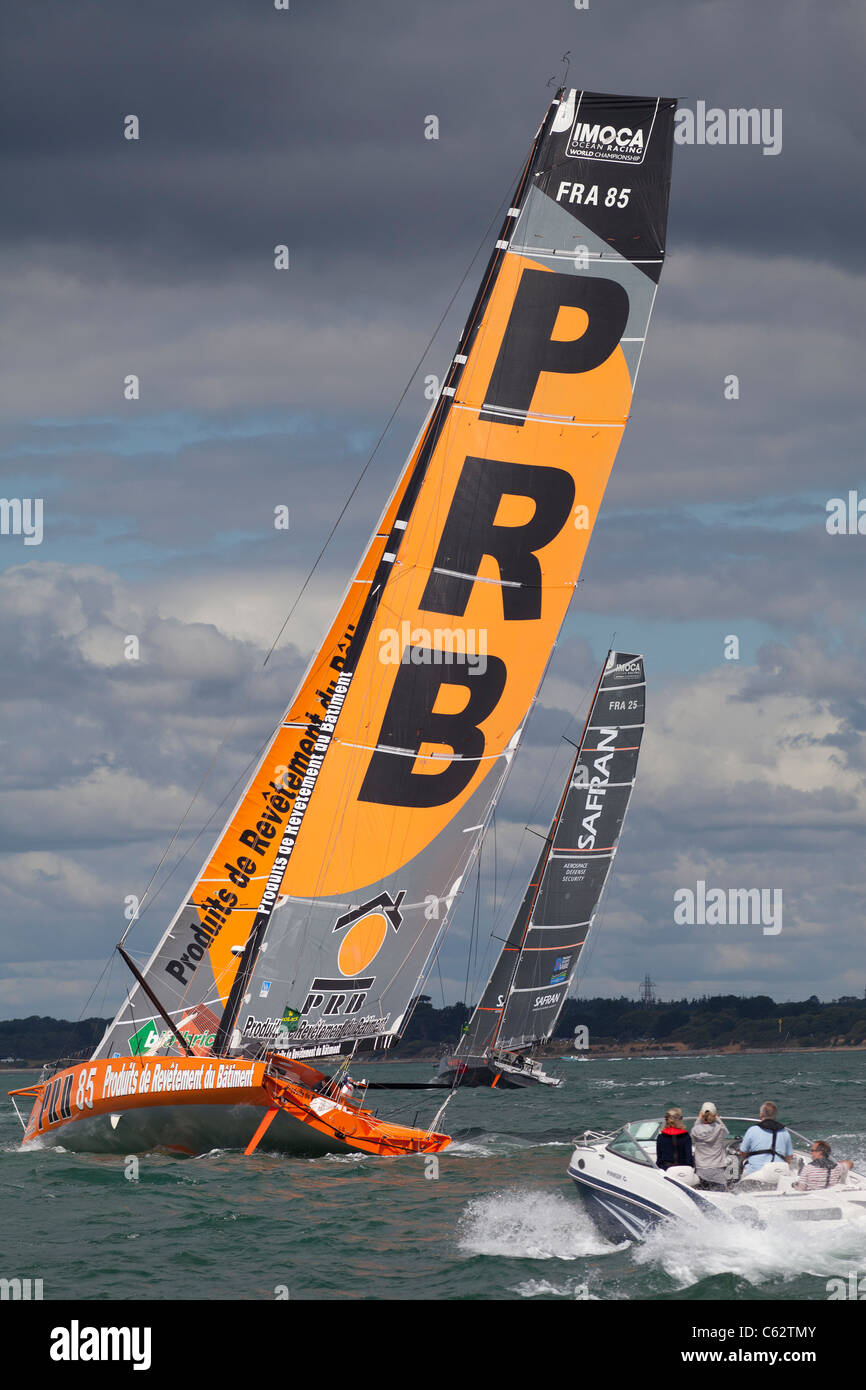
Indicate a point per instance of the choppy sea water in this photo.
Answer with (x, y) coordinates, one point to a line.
(501, 1221)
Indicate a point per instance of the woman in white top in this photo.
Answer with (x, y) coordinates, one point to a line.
(709, 1136)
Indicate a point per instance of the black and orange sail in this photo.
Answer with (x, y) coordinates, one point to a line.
(319, 910)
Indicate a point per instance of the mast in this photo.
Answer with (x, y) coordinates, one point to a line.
(315, 916)
(531, 979)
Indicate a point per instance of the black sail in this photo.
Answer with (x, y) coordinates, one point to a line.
(531, 978)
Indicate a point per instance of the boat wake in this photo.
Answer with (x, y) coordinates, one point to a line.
(783, 1250)
(480, 1143)
(531, 1225)
(543, 1288)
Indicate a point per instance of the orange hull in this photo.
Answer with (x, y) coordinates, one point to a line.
(358, 1128)
(106, 1090)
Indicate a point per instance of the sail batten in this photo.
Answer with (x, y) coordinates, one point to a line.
(327, 894)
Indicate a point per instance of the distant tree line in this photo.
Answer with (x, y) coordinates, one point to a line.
(717, 1020)
(38, 1039)
(710, 1021)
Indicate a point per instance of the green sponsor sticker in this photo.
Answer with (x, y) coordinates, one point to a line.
(145, 1037)
(291, 1018)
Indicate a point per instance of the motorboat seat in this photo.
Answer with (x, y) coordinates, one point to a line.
(768, 1175)
(682, 1173)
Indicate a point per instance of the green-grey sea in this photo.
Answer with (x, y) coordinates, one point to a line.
(501, 1220)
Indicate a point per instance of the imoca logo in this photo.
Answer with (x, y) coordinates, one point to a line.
(595, 140)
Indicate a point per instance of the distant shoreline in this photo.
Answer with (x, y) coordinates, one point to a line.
(637, 1050)
(684, 1050)
(623, 1052)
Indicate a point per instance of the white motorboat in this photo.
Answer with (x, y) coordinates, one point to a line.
(626, 1194)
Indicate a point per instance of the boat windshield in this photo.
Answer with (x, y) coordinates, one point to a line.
(625, 1145)
(646, 1131)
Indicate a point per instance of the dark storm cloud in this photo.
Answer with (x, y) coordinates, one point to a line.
(309, 123)
(77, 711)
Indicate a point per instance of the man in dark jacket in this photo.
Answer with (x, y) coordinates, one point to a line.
(673, 1144)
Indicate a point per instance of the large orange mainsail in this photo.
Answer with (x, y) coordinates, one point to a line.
(314, 920)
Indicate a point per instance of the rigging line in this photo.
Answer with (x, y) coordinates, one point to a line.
(253, 762)
(441, 1111)
(182, 822)
(479, 972)
(441, 981)
(477, 909)
(106, 968)
(315, 564)
(478, 981)
(102, 1002)
(495, 861)
(468, 959)
(474, 856)
(584, 960)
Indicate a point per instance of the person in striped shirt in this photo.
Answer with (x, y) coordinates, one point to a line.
(823, 1171)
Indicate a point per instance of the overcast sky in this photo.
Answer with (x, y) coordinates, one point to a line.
(155, 257)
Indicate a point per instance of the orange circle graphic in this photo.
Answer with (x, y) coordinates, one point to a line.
(361, 943)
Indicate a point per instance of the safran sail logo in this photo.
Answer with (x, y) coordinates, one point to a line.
(625, 144)
(366, 928)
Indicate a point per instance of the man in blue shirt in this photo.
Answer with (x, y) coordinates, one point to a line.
(766, 1142)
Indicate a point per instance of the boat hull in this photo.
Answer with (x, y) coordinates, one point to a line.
(486, 1071)
(627, 1200)
(193, 1105)
(622, 1214)
(190, 1129)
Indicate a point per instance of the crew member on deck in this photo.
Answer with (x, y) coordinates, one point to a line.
(673, 1145)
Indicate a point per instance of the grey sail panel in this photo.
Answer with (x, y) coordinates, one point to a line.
(480, 1032)
(337, 975)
